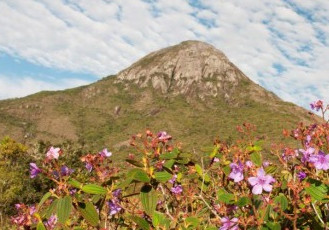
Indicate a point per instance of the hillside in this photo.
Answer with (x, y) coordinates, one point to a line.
(191, 90)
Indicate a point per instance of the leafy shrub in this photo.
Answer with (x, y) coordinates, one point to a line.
(231, 187)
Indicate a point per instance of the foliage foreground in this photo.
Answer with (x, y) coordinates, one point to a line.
(162, 187)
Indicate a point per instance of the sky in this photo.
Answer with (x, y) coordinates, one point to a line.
(283, 45)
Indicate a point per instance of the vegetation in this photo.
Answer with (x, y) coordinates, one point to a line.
(233, 186)
(87, 115)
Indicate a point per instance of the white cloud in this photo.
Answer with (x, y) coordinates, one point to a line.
(103, 37)
(11, 87)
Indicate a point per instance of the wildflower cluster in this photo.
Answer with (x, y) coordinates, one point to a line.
(231, 186)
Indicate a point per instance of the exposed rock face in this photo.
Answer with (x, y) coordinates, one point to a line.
(189, 68)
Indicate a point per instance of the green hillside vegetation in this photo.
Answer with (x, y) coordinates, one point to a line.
(86, 115)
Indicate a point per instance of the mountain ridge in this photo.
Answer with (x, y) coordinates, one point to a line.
(191, 90)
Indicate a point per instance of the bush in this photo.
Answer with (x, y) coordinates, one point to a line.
(231, 187)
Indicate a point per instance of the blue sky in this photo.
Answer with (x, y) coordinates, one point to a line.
(56, 44)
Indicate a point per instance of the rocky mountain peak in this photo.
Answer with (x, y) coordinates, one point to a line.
(189, 68)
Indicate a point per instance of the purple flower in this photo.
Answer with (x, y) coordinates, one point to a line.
(262, 181)
(173, 179)
(317, 105)
(116, 193)
(65, 171)
(73, 191)
(308, 140)
(301, 175)
(320, 161)
(215, 159)
(53, 153)
(89, 167)
(229, 224)
(178, 189)
(307, 154)
(51, 222)
(34, 170)
(114, 207)
(32, 210)
(249, 164)
(237, 172)
(105, 153)
(266, 164)
(163, 136)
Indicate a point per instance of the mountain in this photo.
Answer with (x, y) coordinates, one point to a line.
(191, 90)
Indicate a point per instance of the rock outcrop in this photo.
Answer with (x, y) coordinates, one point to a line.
(189, 68)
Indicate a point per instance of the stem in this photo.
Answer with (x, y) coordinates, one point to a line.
(317, 214)
(166, 206)
(209, 207)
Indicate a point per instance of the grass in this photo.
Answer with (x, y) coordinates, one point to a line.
(194, 122)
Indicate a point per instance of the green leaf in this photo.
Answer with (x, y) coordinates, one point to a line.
(254, 148)
(163, 176)
(94, 189)
(214, 152)
(89, 213)
(211, 228)
(135, 163)
(271, 169)
(223, 196)
(50, 210)
(272, 226)
(64, 207)
(256, 158)
(284, 184)
(198, 169)
(44, 198)
(74, 183)
(169, 156)
(139, 175)
(243, 201)
(125, 183)
(267, 213)
(317, 190)
(143, 224)
(227, 170)
(41, 226)
(192, 222)
(96, 198)
(282, 200)
(159, 220)
(169, 164)
(149, 199)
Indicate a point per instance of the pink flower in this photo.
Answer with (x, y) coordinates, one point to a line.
(34, 170)
(237, 172)
(307, 154)
(320, 161)
(114, 207)
(89, 167)
(53, 153)
(317, 105)
(178, 189)
(249, 164)
(173, 179)
(164, 136)
(262, 181)
(51, 222)
(105, 153)
(229, 224)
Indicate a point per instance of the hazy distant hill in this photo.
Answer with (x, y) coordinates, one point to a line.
(191, 90)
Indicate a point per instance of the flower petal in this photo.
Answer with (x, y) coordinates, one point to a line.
(253, 180)
(267, 187)
(260, 172)
(257, 189)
